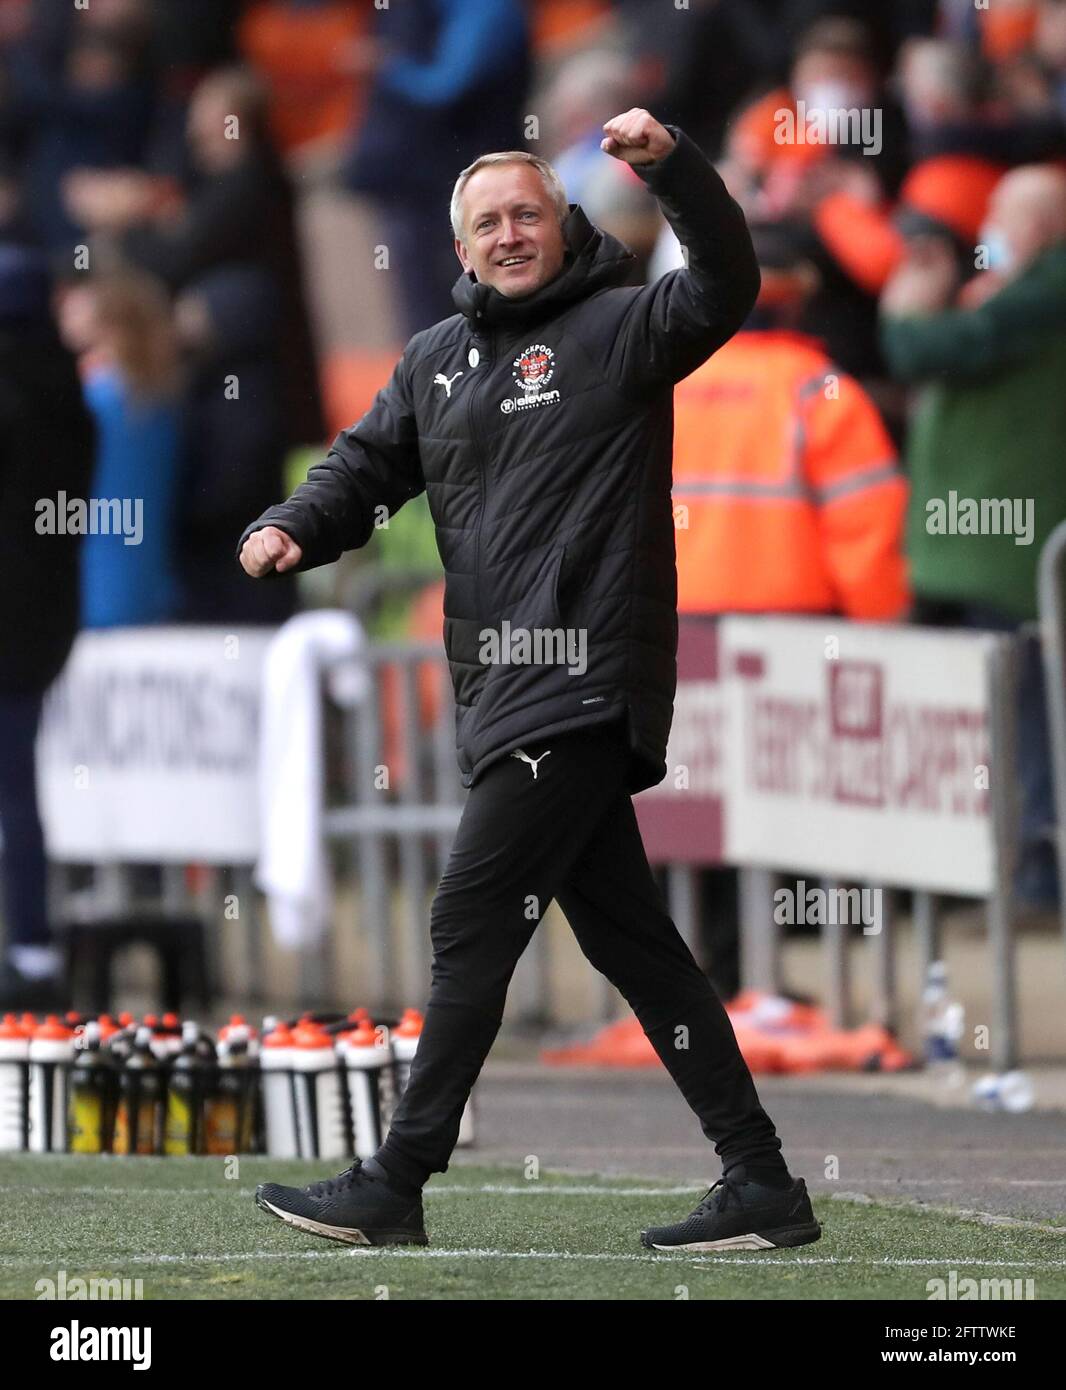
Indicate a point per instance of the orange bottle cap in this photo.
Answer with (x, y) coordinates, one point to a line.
(310, 1035)
(279, 1036)
(53, 1029)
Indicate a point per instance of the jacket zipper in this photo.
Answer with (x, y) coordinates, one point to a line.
(486, 358)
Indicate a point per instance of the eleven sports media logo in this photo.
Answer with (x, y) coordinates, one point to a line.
(532, 370)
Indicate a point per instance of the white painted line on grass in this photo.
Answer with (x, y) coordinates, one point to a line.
(444, 1190)
(572, 1190)
(118, 1259)
(532, 1188)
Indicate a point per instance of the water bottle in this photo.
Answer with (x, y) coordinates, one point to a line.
(93, 1091)
(14, 1060)
(139, 1118)
(51, 1054)
(231, 1109)
(942, 1025)
(321, 1122)
(242, 1044)
(366, 1056)
(183, 1126)
(279, 1098)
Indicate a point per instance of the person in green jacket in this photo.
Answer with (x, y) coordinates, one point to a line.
(986, 448)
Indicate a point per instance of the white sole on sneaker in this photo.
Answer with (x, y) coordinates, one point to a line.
(748, 1242)
(349, 1235)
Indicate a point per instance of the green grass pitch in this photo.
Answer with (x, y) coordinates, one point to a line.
(189, 1228)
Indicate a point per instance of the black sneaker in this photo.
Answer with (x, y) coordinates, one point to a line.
(358, 1206)
(741, 1215)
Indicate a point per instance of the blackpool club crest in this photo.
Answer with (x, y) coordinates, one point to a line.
(533, 367)
(532, 370)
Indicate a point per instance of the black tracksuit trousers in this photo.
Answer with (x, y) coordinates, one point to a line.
(564, 829)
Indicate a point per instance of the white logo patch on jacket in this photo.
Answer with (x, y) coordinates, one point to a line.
(532, 370)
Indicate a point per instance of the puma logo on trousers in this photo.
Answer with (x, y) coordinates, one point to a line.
(531, 761)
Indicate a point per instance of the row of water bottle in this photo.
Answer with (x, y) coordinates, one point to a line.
(330, 1087)
(152, 1086)
(321, 1086)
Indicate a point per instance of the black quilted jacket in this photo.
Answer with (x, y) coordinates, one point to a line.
(541, 430)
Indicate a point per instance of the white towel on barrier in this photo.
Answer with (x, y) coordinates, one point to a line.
(293, 866)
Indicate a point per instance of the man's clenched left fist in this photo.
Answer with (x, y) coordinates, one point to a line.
(636, 137)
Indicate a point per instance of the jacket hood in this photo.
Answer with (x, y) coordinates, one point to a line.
(593, 260)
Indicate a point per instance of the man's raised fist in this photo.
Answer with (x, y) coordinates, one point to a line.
(269, 549)
(636, 137)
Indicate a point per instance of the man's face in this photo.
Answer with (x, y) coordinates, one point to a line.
(513, 240)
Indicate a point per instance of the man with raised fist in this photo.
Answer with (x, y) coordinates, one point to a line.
(538, 420)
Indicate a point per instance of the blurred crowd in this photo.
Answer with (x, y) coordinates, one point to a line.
(160, 339)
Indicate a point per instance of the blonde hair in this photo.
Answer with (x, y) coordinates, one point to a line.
(552, 183)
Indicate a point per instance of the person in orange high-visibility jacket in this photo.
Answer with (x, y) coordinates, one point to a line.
(788, 497)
